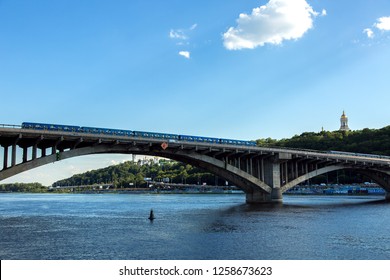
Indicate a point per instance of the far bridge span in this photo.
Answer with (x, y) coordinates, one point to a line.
(263, 173)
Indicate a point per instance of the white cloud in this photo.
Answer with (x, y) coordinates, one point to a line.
(185, 54)
(177, 34)
(182, 33)
(383, 23)
(272, 23)
(182, 38)
(324, 13)
(369, 32)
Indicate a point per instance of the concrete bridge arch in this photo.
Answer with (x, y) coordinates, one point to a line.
(382, 178)
(249, 184)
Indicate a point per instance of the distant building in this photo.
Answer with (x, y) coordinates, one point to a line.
(344, 123)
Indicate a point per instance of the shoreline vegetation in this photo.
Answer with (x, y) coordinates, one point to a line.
(323, 189)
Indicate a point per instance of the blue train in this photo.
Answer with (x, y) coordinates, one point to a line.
(120, 132)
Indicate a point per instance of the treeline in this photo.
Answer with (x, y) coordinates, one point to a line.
(367, 141)
(23, 187)
(133, 174)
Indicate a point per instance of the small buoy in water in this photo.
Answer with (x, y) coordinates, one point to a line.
(151, 215)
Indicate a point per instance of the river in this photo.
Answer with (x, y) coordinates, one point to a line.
(193, 226)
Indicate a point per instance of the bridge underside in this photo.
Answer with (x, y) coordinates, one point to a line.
(263, 175)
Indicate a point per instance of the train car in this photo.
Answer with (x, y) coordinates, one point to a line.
(231, 142)
(250, 143)
(208, 140)
(238, 142)
(124, 132)
(55, 127)
(29, 125)
(157, 135)
(107, 131)
(202, 139)
(129, 133)
(186, 138)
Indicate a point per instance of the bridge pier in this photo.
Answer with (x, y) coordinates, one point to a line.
(272, 177)
(276, 195)
(258, 197)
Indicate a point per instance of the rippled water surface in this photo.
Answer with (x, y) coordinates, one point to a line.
(116, 226)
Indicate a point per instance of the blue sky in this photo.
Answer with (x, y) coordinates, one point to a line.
(240, 69)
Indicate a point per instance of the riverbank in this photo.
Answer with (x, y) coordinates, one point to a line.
(323, 189)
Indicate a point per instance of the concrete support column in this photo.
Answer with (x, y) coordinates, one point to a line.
(25, 151)
(262, 169)
(5, 163)
(34, 151)
(272, 174)
(13, 160)
(272, 178)
(286, 172)
(257, 164)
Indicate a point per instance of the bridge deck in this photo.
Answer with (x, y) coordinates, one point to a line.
(26, 137)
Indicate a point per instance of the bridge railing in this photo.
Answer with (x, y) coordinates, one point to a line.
(10, 125)
(340, 153)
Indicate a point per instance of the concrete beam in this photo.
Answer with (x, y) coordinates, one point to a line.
(284, 156)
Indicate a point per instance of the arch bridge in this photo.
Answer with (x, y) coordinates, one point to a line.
(263, 173)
